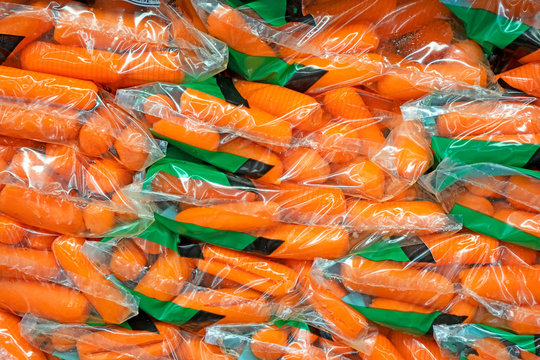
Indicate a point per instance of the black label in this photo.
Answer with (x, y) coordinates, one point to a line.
(230, 93)
(201, 320)
(8, 43)
(446, 319)
(418, 252)
(263, 246)
(254, 168)
(142, 322)
(243, 183)
(294, 13)
(534, 161)
(191, 251)
(304, 78)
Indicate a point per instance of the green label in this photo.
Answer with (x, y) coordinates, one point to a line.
(69, 355)
(156, 233)
(294, 323)
(275, 12)
(474, 151)
(485, 27)
(497, 229)
(384, 250)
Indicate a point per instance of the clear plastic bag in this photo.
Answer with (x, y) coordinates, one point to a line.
(12, 344)
(115, 46)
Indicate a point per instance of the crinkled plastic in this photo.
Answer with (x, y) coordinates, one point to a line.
(282, 339)
(46, 274)
(315, 45)
(476, 341)
(472, 127)
(495, 200)
(13, 345)
(524, 77)
(116, 46)
(193, 285)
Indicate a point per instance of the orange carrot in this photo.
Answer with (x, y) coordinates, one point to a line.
(187, 132)
(194, 348)
(351, 38)
(40, 240)
(36, 263)
(96, 65)
(525, 78)
(133, 147)
(269, 343)
(413, 155)
(345, 102)
(463, 307)
(525, 221)
(98, 133)
(48, 212)
(127, 260)
(467, 51)
(395, 281)
(66, 162)
(149, 247)
(98, 218)
(532, 57)
(430, 42)
(416, 347)
(12, 342)
(11, 231)
(338, 142)
(304, 165)
(488, 187)
(108, 301)
(31, 166)
(157, 103)
(304, 242)
(371, 10)
(395, 305)
(524, 319)
(145, 67)
(476, 203)
(46, 300)
(523, 190)
(75, 93)
(513, 254)
(106, 176)
(361, 177)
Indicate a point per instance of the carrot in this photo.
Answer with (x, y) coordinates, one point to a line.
(108, 301)
(487, 187)
(12, 342)
(430, 42)
(127, 260)
(187, 132)
(252, 271)
(48, 212)
(106, 176)
(110, 29)
(476, 203)
(356, 9)
(194, 348)
(66, 162)
(148, 247)
(251, 121)
(98, 218)
(522, 191)
(395, 281)
(467, 51)
(269, 343)
(248, 149)
(416, 347)
(360, 176)
(463, 307)
(134, 147)
(65, 339)
(166, 277)
(229, 26)
(524, 319)
(158, 103)
(525, 78)
(46, 300)
(235, 306)
(352, 38)
(198, 189)
(488, 117)
(383, 349)
(338, 142)
(465, 247)
(38, 122)
(346, 103)
(395, 305)
(490, 349)
(304, 242)
(29, 22)
(513, 254)
(304, 165)
(98, 133)
(531, 58)
(11, 232)
(308, 203)
(492, 282)
(40, 240)
(525, 221)
(301, 110)
(145, 67)
(9, 146)
(75, 93)
(413, 155)
(397, 87)
(36, 263)
(30, 166)
(397, 217)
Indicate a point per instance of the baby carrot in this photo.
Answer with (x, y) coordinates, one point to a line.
(48, 212)
(66, 162)
(248, 149)
(38, 264)
(395, 305)
(416, 347)
(371, 10)
(241, 217)
(95, 65)
(489, 349)
(98, 133)
(20, 83)
(352, 38)
(12, 342)
(524, 319)
(145, 67)
(160, 104)
(301, 110)
(127, 260)
(106, 176)
(187, 132)
(525, 78)
(413, 155)
(166, 278)
(513, 254)
(304, 242)
(397, 217)
(108, 301)
(463, 306)
(38, 122)
(98, 218)
(133, 146)
(11, 231)
(430, 42)
(474, 202)
(50, 301)
(31, 167)
(304, 165)
(488, 187)
(148, 247)
(491, 282)
(346, 103)
(194, 348)
(467, 51)
(523, 192)
(40, 240)
(338, 142)
(269, 343)
(361, 177)
(525, 221)
(531, 58)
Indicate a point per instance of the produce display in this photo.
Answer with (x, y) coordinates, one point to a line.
(270, 180)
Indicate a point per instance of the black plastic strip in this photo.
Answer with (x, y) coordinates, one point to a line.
(320, 333)
(201, 320)
(8, 43)
(534, 161)
(142, 322)
(418, 252)
(529, 40)
(254, 167)
(537, 343)
(304, 78)
(512, 348)
(191, 251)
(241, 182)
(447, 319)
(294, 13)
(263, 246)
(230, 93)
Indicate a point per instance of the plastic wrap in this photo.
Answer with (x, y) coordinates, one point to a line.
(13, 345)
(475, 341)
(45, 274)
(523, 77)
(498, 201)
(315, 45)
(116, 46)
(473, 128)
(193, 285)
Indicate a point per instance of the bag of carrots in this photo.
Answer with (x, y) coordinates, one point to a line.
(12, 343)
(116, 45)
(476, 341)
(192, 285)
(47, 275)
(495, 200)
(281, 339)
(523, 77)
(472, 128)
(311, 46)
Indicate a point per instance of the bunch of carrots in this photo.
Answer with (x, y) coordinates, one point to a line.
(356, 185)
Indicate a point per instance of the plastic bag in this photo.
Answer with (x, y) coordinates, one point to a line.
(498, 201)
(472, 128)
(524, 77)
(116, 46)
(12, 344)
(46, 274)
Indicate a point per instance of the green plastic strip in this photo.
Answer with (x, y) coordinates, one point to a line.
(485, 27)
(497, 229)
(474, 151)
(208, 86)
(293, 323)
(229, 239)
(272, 12)
(69, 355)
(384, 250)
